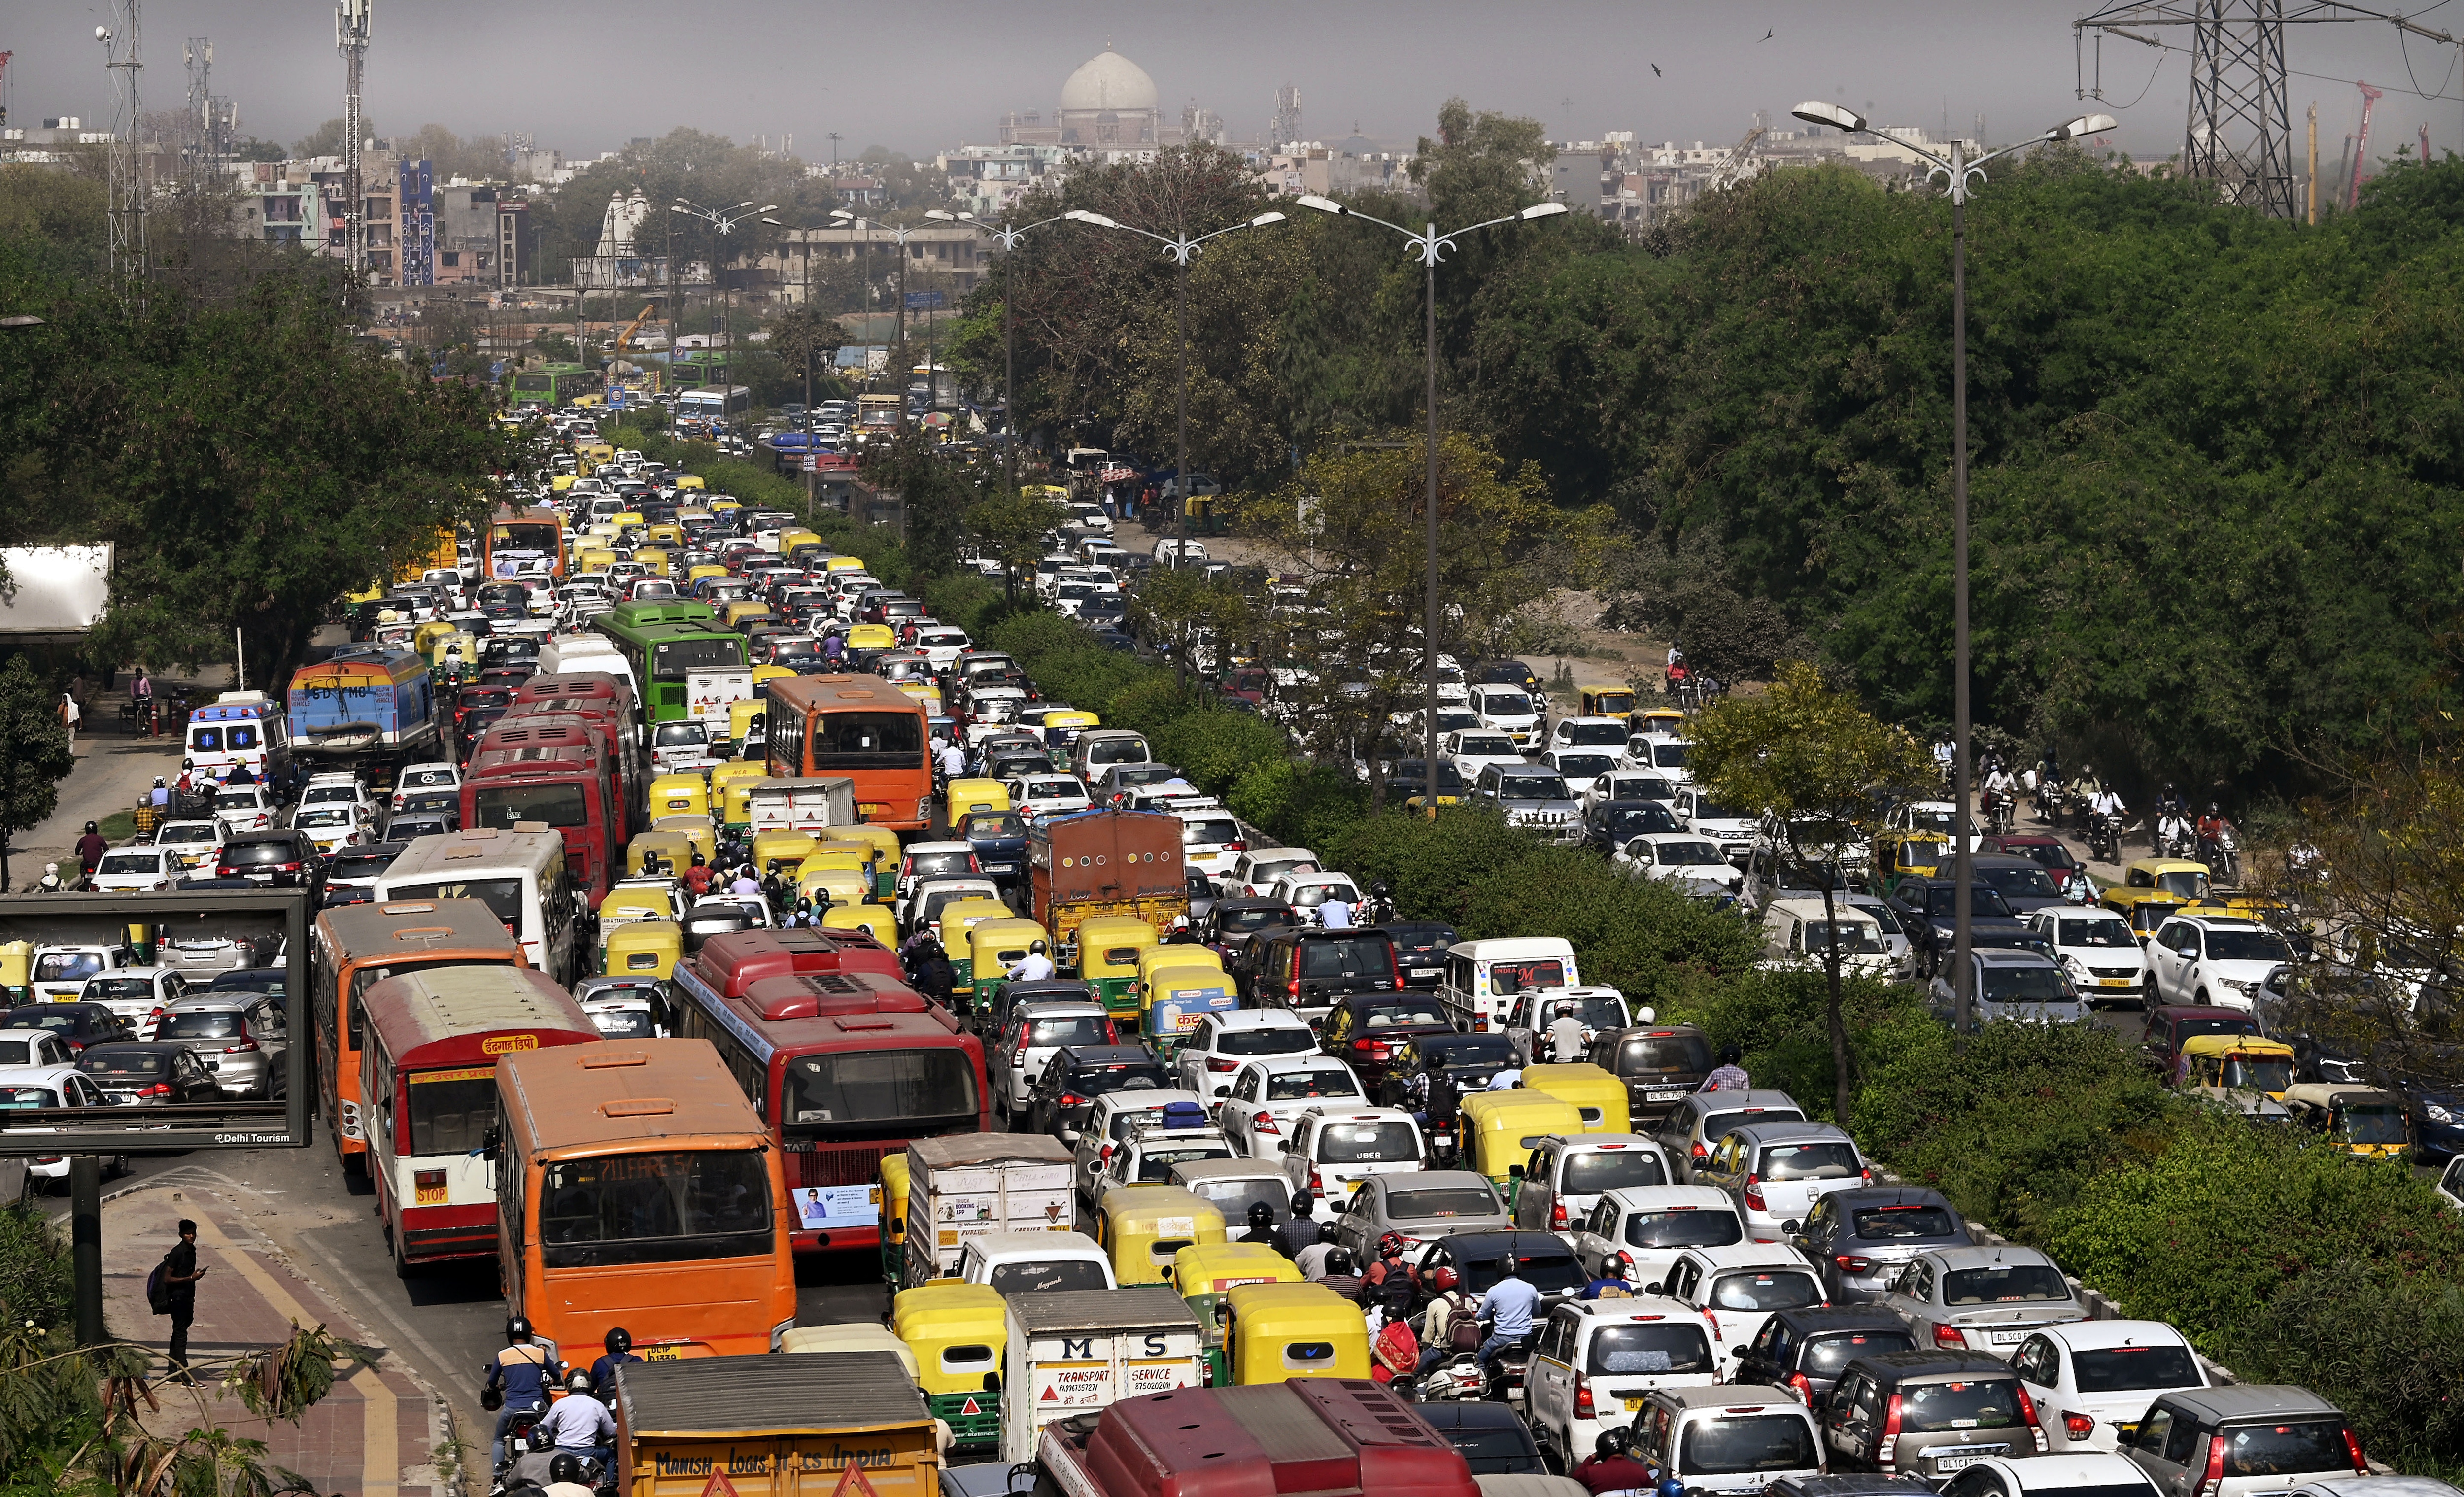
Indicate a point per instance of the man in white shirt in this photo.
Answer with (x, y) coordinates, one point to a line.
(953, 762)
(1033, 967)
(1566, 1036)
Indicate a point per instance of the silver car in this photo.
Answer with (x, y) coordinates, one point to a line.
(1421, 1205)
(238, 1038)
(1703, 1118)
(1981, 1299)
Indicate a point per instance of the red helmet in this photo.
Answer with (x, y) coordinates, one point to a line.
(1390, 1244)
(1445, 1280)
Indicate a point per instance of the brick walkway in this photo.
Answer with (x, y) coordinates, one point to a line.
(375, 1435)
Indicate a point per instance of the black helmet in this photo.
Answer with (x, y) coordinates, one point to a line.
(578, 1380)
(540, 1438)
(1340, 1260)
(1261, 1214)
(1303, 1203)
(1380, 888)
(1617, 1440)
(92, 827)
(2211, 811)
(619, 1341)
(1730, 1055)
(565, 1468)
(517, 1328)
(1037, 947)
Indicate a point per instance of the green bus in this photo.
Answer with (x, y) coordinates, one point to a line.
(664, 643)
(554, 385)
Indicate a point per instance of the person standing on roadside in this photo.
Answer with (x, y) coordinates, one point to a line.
(70, 714)
(179, 1276)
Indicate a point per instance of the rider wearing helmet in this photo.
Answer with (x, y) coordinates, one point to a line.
(1033, 967)
(1303, 1230)
(521, 1373)
(603, 1371)
(1389, 1274)
(534, 1465)
(1612, 1466)
(564, 1477)
(1261, 1226)
(578, 1423)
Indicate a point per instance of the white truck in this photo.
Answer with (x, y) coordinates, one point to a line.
(963, 1186)
(802, 804)
(1078, 1351)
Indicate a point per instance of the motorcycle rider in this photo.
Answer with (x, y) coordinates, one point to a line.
(2212, 829)
(1510, 1306)
(2001, 791)
(564, 1477)
(536, 1464)
(1033, 967)
(1566, 1042)
(578, 1423)
(2172, 832)
(1450, 1322)
(603, 1371)
(521, 1373)
(1304, 1232)
(1388, 1273)
(1261, 1226)
(1379, 907)
(1612, 1466)
(2106, 806)
(1335, 914)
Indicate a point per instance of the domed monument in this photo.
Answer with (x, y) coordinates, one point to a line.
(1109, 105)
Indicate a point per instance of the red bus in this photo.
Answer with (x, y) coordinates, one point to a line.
(429, 1085)
(556, 775)
(861, 727)
(605, 690)
(628, 790)
(843, 1061)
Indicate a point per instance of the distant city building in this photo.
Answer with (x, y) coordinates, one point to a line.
(1107, 110)
(1284, 127)
(955, 251)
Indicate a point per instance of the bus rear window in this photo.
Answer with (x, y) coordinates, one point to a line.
(503, 896)
(852, 1090)
(452, 1111)
(638, 1208)
(558, 805)
(868, 740)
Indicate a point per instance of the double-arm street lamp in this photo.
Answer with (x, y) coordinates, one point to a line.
(722, 222)
(1957, 171)
(1008, 236)
(1180, 250)
(846, 219)
(1430, 246)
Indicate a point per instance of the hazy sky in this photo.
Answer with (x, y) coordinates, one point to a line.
(915, 77)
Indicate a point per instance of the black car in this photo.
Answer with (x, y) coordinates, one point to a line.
(2026, 885)
(1610, 825)
(1471, 1059)
(361, 864)
(148, 1074)
(79, 1023)
(1408, 781)
(1077, 1074)
(1231, 924)
(1849, 1485)
(410, 827)
(1015, 763)
(1310, 969)
(1660, 1063)
(280, 859)
(1806, 1349)
(1540, 1259)
(1493, 1440)
(1924, 906)
(1369, 1031)
(1858, 1239)
(1420, 950)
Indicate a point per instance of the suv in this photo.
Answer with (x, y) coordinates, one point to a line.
(1927, 1414)
(1924, 906)
(1740, 1287)
(1596, 1359)
(2219, 961)
(1727, 1439)
(283, 859)
(1857, 1238)
(2243, 1438)
(1661, 1065)
(1780, 1170)
(1329, 1151)
(1147, 1155)
(1532, 797)
(2020, 986)
(1369, 1031)
(1806, 1349)
(1308, 971)
(1030, 1033)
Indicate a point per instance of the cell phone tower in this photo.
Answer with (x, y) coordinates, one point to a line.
(129, 186)
(351, 19)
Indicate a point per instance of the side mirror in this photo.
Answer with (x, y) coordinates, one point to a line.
(1655, 1287)
(2187, 954)
(1514, 1171)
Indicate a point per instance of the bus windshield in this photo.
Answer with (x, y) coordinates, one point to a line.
(556, 804)
(641, 1208)
(850, 1089)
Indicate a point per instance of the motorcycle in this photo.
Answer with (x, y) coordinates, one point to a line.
(2104, 839)
(2223, 857)
(1502, 1379)
(1458, 1379)
(1443, 1149)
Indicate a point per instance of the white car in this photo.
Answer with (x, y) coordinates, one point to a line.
(196, 844)
(1306, 891)
(1596, 1359)
(677, 742)
(139, 993)
(1739, 1287)
(244, 808)
(2097, 949)
(1473, 749)
(335, 789)
(942, 646)
(1210, 837)
(1147, 1155)
(59, 973)
(54, 1085)
(1329, 1152)
(1509, 710)
(1267, 1095)
(1033, 796)
(2060, 1472)
(1215, 1052)
(1934, 816)
(427, 774)
(331, 825)
(1692, 863)
(1697, 813)
(35, 1048)
(2091, 1377)
(1660, 754)
(2216, 959)
(1646, 1226)
(1114, 1116)
(1581, 766)
(137, 869)
(1627, 785)
(1595, 732)
(1254, 872)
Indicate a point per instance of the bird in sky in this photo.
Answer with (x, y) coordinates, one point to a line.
(1768, 35)
(1655, 70)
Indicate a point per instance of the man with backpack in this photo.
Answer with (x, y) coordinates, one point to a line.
(1450, 1323)
(178, 1277)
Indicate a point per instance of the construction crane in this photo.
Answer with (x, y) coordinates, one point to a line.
(1742, 163)
(625, 339)
(4, 87)
(2361, 151)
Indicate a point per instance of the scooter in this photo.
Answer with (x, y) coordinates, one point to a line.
(1443, 1149)
(1458, 1379)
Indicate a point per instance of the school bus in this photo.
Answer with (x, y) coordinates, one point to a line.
(429, 1076)
(638, 1188)
(353, 947)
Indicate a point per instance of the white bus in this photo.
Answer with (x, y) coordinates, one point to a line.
(519, 873)
(712, 400)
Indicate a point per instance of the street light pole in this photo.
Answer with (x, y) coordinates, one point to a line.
(1431, 247)
(1957, 171)
(722, 223)
(1008, 237)
(897, 376)
(1180, 250)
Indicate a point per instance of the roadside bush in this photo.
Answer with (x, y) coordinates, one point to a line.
(37, 1279)
(2385, 1347)
(1779, 1021)
(2206, 1227)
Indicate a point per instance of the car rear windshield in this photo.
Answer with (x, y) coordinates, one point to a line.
(1592, 1170)
(1762, 1443)
(1545, 1271)
(2020, 882)
(2004, 1284)
(12, 1096)
(1970, 1403)
(1890, 1223)
(125, 1063)
(1332, 1081)
(1076, 1030)
(2113, 933)
(1683, 1226)
(1825, 1356)
(362, 865)
(1483, 1052)
(1048, 1278)
(1386, 1013)
(253, 854)
(216, 1024)
(1818, 1160)
(1765, 1290)
(2129, 1369)
(1367, 1143)
(119, 987)
(2285, 1449)
(148, 862)
(1096, 1080)
(1439, 1203)
(1362, 956)
(1664, 1347)
(1154, 1165)
(1278, 1041)
(2024, 985)
(60, 966)
(1671, 1055)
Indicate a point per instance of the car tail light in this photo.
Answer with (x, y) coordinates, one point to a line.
(429, 1180)
(1236, 847)
(2353, 1448)
(1217, 1063)
(1264, 1123)
(1105, 1156)
(2079, 1426)
(48, 1159)
(1557, 1218)
(1890, 1450)
(1317, 1183)
(160, 1088)
(1293, 987)
(1868, 1175)
(2028, 1412)
(1804, 1387)
(1584, 1407)
(247, 1041)
(2214, 1476)
(1850, 1263)
(1701, 1152)
(1951, 1336)
(1754, 1193)
(1072, 1099)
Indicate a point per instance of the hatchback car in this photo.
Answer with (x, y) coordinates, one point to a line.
(1981, 1299)
(1857, 1238)
(194, 842)
(1805, 1350)
(1492, 1440)
(1728, 1439)
(1214, 1052)
(34, 1048)
(1030, 1034)
(137, 995)
(149, 1074)
(1694, 863)
(1035, 796)
(1779, 1170)
(137, 869)
(59, 972)
(244, 808)
(239, 1038)
(1420, 950)
(1269, 1096)
(2012, 986)
(1148, 1154)
(1740, 1286)
(1078, 1074)
(2094, 1380)
(2096, 948)
(1596, 1361)
(1566, 1175)
(1330, 1152)
(1116, 1115)
(281, 859)
(2242, 1440)
(1928, 1414)
(1640, 1230)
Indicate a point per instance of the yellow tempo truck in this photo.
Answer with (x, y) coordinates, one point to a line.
(775, 1426)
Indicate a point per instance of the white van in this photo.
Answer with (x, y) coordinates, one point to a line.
(1482, 977)
(1036, 1262)
(1796, 939)
(1597, 1359)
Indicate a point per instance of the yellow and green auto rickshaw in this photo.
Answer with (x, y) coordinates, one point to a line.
(1500, 1129)
(743, 717)
(735, 816)
(672, 849)
(1110, 947)
(642, 949)
(1280, 1330)
(1154, 960)
(993, 948)
(696, 831)
(845, 887)
(957, 1333)
(959, 918)
(967, 796)
(1175, 996)
(1204, 1275)
(887, 851)
(1142, 1227)
(854, 1335)
(1605, 700)
(685, 793)
(875, 918)
(781, 851)
(2367, 1122)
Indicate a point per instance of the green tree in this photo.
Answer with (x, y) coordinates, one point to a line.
(34, 754)
(804, 340)
(327, 138)
(1015, 529)
(934, 493)
(1810, 761)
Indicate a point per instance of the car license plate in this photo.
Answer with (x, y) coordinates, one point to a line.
(2115, 982)
(1425, 972)
(1961, 1459)
(1664, 1096)
(2009, 1338)
(213, 1064)
(1632, 1400)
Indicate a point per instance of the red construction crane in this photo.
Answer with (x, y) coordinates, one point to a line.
(2362, 152)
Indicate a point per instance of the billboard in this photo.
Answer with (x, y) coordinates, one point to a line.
(201, 934)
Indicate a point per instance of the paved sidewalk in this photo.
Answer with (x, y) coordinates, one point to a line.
(376, 1434)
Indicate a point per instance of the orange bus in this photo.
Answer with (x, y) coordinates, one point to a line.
(519, 544)
(429, 1074)
(861, 727)
(355, 947)
(637, 1187)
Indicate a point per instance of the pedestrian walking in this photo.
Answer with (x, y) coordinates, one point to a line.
(70, 716)
(179, 1276)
